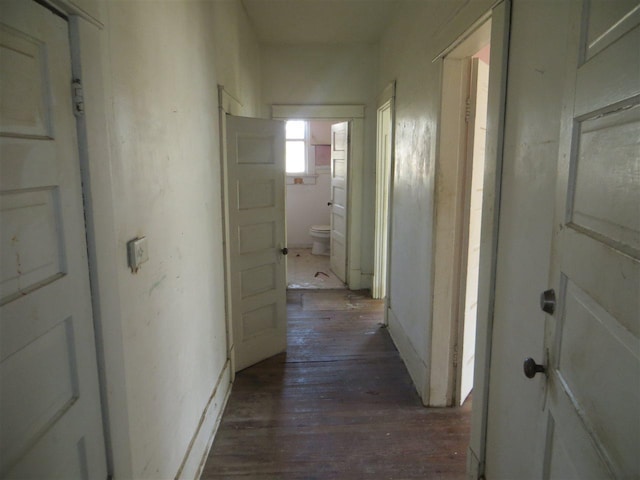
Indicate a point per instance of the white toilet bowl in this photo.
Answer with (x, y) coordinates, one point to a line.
(321, 235)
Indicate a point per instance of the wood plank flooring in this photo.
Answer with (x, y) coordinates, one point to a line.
(338, 405)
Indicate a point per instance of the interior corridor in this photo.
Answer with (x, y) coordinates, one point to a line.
(339, 404)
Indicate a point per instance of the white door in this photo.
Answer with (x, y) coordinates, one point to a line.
(255, 170)
(50, 415)
(476, 139)
(339, 172)
(383, 183)
(593, 336)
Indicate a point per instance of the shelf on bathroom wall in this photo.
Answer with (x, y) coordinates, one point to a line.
(306, 179)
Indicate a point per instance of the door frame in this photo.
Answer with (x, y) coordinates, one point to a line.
(227, 105)
(444, 329)
(450, 243)
(384, 199)
(469, 164)
(354, 114)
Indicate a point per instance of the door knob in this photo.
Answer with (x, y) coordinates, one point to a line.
(548, 301)
(285, 251)
(329, 203)
(531, 368)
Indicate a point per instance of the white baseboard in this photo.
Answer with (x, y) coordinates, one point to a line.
(473, 465)
(415, 365)
(198, 450)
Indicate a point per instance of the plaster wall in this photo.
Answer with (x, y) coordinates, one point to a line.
(236, 54)
(160, 75)
(330, 74)
(419, 32)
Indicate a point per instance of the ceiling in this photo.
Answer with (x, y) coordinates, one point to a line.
(319, 21)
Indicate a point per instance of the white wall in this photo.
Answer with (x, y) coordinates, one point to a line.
(307, 202)
(236, 54)
(315, 75)
(306, 206)
(165, 339)
(419, 32)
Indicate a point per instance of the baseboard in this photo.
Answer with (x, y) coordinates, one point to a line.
(300, 245)
(198, 450)
(415, 365)
(473, 465)
(355, 282)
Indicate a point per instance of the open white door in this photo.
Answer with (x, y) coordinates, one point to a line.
(383, 192)
(50, 414)
(339, 198)
(476, 140)
(255, 172)
(593, 337)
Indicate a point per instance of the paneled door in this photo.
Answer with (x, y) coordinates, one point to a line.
(339, 198)
(593, 334)
(50, 414)
(255, 172)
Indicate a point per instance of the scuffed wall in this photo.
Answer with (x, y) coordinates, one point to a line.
(164, 62)
(236, 54)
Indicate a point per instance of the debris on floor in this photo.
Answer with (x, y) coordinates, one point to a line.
(308, 271)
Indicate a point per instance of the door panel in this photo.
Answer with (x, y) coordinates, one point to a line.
(599, 187)
(383, 182)
(339, 198)
(50, 414)
(593, 339)
(255, 209)
(476, 139)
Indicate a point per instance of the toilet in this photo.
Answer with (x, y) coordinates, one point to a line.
(321, 235)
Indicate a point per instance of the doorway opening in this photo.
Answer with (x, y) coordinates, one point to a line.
(459, 210)
(326, 192)
(308, 205)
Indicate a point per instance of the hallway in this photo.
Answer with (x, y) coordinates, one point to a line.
(339, 405)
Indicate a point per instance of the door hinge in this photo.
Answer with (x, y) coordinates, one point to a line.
(467, 110)
(77, 95)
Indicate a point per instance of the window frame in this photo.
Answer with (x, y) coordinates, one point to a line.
(309, 166)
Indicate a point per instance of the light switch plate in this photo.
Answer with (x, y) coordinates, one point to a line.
(137, 253)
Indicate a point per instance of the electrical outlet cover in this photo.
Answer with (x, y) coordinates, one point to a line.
(137, 253)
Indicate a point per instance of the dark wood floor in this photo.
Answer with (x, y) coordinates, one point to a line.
(339, 405)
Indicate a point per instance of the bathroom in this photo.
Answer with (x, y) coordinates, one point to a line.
(308, 185)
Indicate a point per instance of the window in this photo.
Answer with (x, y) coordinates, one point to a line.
(296, 146)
